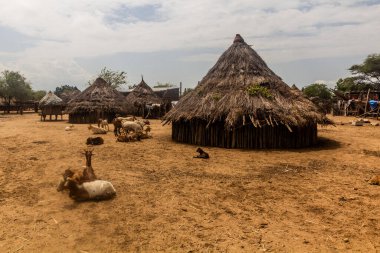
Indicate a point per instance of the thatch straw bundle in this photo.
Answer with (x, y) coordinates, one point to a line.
(241, 90)
(99, 100)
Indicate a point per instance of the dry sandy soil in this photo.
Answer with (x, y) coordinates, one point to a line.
(309, 200)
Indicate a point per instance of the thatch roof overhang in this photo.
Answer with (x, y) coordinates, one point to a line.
(100, 96)
(240, 89)
(50, 99)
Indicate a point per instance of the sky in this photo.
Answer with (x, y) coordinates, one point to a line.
(55, 42)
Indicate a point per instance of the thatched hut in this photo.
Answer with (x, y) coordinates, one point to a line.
(241, 103)
(99, 100)
(142, 101)
(67, 95)
(50, 105)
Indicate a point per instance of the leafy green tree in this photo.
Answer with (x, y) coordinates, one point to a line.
(317, 90)
(369, 70)
(37, 95)
(59, 90)
(14, 85)
(115, 78)
(365, 76)
(351, 84)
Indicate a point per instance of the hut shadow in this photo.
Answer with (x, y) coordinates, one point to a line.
(323, 143)
(53, 120)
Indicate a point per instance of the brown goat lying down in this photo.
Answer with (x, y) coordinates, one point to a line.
(84, 185)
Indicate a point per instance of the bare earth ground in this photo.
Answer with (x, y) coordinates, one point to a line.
(309, 200)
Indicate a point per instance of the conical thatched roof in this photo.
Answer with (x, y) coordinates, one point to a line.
(50, 99)
(294, 87)
(241, 88)
(142, 94)
(100, 96)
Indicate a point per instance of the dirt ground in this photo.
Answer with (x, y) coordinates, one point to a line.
(309, 200)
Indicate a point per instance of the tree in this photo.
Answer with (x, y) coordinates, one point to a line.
(64, 88)
(351, 84)
(317, 90)
(369, 70)
(132, 86)
(163, 85)
(14, 85)
(37, 95)
(364, 76)
(115, 78)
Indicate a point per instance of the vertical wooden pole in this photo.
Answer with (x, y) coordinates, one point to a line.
(366, 103)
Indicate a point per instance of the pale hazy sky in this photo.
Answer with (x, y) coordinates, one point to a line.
(55, 42)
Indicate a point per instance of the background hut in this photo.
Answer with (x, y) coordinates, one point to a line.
(50, 105)
(99, 100)
(67, 95)
(142, 101)
(241, 103)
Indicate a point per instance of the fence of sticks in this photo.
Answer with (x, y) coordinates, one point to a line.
(248, 136)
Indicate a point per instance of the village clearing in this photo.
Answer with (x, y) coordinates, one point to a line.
(299, 200)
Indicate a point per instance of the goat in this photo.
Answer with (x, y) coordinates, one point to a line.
(142, 123)
(129, 118)
(129, 137)
(202, 154)
(75, 174)
(79, 176)
(88, 172)
(117, 123)
(96, 130)
(103, 123)
(69, 128)
(128, 126)
(94, 190)
(94, 141)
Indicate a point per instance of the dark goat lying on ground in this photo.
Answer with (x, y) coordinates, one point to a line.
(94, 141)
(202, 154)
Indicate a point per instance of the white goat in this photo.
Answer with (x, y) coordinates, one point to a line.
(69, 128)
(94, 190)
(103, 123)
(97, 130)
(130, 118)
(131, 126)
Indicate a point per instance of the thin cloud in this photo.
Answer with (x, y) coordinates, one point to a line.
(284, 31)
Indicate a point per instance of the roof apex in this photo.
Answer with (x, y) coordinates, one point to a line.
(238, 39)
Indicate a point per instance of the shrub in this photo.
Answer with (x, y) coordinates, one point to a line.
(256, 90)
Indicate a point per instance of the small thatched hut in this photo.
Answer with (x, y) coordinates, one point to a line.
(50, 105)
(99, 100)
(142, 101)
(241, 103)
